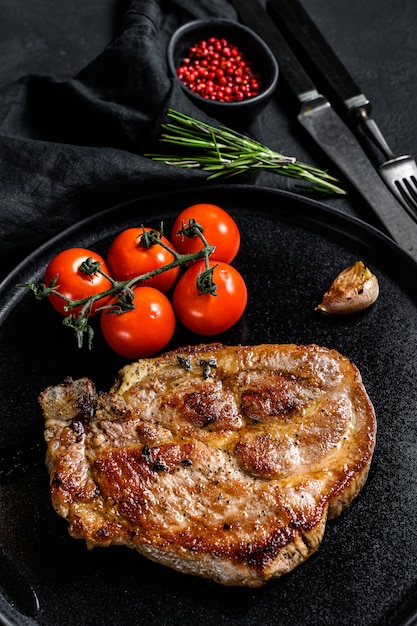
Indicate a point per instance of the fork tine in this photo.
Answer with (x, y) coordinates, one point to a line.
(400, 174)
(407, 187)
(411, 184)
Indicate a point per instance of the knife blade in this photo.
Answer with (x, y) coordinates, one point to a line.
(330, 133)
(298, 26)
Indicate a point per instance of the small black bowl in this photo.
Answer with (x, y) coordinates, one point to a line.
(253, 48)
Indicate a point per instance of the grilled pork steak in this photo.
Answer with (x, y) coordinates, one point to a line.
(224, 462)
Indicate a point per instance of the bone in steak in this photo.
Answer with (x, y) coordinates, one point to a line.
(223, 462)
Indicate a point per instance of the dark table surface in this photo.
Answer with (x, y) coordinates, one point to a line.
(375, 39)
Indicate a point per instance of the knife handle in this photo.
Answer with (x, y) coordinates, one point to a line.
(253, 14)
(296, 23)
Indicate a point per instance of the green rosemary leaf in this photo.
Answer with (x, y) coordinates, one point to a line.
(226, 152)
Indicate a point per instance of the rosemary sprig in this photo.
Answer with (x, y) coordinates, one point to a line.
(226, 152)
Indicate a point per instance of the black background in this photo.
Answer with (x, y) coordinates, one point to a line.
(377, 42)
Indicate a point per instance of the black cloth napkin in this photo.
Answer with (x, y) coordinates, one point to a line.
(70, 148)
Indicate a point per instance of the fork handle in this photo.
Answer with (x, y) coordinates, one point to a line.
(299, 28)
(374, 134)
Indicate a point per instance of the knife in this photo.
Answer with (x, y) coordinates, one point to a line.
(330, 133)
(297, 25)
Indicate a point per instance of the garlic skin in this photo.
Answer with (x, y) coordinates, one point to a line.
(353, 290)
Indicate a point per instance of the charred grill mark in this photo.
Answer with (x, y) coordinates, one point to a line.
(56, 482)
(155, 464)
(259, 456)
(71, 489)
(263, 404)
(146, 453)
(158, 466)
(102, 533)
(86, 407)
(211, 406)
(210, 419)
(200, 407)
(259, 555)
(256, 554)
(114, 407)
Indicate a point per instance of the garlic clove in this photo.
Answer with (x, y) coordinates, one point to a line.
(353, 290)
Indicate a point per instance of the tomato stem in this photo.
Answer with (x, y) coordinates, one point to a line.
(123, 289)
(120, 286)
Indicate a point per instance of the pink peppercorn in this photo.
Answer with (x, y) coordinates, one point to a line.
(217, 70)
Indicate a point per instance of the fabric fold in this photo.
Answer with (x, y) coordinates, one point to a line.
(73, 147)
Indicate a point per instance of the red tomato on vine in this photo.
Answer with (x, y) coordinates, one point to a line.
(66, 269)
(145, 329)
(208, 314)
(130, 255)
(219, 229)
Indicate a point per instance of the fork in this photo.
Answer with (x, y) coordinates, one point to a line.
(398, 172)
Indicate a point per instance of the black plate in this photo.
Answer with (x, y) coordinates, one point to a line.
(364, 572)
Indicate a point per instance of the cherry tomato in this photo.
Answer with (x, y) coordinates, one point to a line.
(144, 330)
(219, 229)
(208, 314)
(72, 282)
(128, 257)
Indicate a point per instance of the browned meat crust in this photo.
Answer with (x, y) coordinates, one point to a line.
(224, 462)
